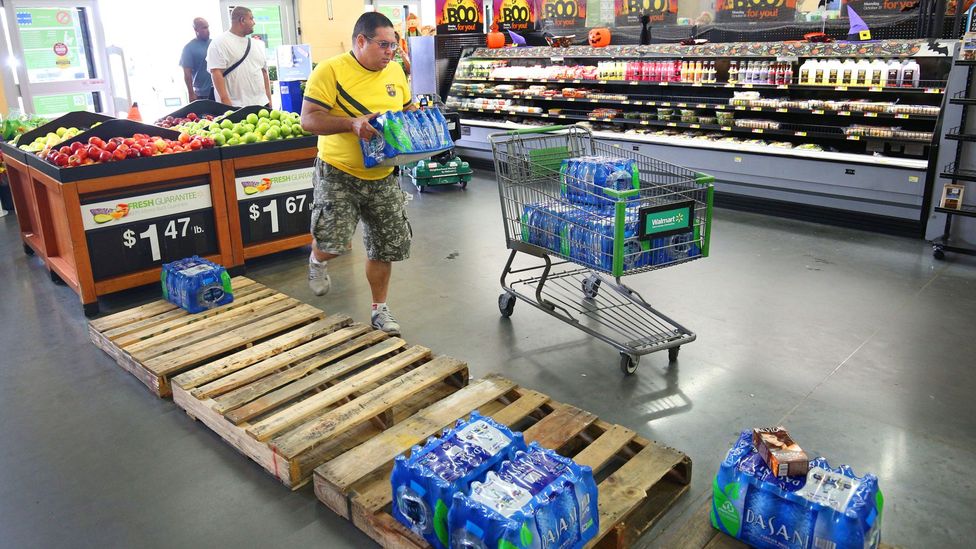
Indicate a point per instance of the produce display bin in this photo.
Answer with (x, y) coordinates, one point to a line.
(201, 107)
(269, 195)
(22, 193)
(78, 119)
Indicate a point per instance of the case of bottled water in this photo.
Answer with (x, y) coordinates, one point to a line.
(415, 134)
(536, 500)
(424, 484)
(196, 284)
(583, 179)
(829, 508)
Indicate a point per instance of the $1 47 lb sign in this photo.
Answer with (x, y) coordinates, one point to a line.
(134, 233)
(274, 205)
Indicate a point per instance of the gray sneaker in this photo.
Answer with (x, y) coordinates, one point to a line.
(382, 319)
(318, 278)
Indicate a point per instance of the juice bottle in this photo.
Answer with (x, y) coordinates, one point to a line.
(733, 72)
(911, 74)
(894, 73)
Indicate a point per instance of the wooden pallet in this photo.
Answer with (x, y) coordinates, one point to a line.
(291, 407)
(638, 479)
(156, 341)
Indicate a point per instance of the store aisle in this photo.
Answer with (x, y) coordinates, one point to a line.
(861, 344)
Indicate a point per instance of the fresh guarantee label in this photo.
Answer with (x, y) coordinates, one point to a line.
(273, 183)
(122, 211)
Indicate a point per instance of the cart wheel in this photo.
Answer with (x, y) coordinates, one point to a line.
(28, 250)
(91, 309)
(591, 286)
(464, 184)
(938, 253)
(420, 188)
(506, 304)
(628, 364)
(673, 354)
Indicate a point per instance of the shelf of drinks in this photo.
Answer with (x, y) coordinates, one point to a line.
(701, 105)
(739, 86)
(819, 155)
(835, 133)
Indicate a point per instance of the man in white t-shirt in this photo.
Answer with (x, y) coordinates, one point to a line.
(240, 74)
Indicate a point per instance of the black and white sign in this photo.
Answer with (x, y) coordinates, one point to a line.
(134, 233)
(274, 205)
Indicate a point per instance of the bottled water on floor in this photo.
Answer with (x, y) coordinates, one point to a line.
(195, 284)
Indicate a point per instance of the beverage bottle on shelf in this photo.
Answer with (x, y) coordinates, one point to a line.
(911, 74)
(879, 73)
(788, 74)
(848, 73)
(733, 72)
(819, 71)
(763, 73)
(657, 71)
(863, 73)
(834, 68)
(805, 70)
(675, 70)
(774, 73)
(684, 71)
(894, 74)
(710, 73)
(745, 72)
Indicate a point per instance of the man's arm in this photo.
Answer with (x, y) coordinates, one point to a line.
(220, 85)
(267, 84)
(317, 119)
(188, 80)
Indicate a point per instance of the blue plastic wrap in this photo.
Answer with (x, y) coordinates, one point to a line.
(583, 179)
(196, 284)
(829, 508)
(424, 484)
(537, 500)
(401, 133)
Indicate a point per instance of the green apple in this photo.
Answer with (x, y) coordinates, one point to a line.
(263, 127)
(249, 127)
(263, 113)
(61, 131)
(275, 123)
(252, 118)
(220, 140)
(275, 115)
(234, 141)
(272, 134)
(227, 133)
(226, 124)
(250, 137)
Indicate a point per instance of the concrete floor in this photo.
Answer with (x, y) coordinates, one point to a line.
(861, 344)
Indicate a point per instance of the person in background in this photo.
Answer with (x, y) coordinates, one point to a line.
(402, 56)
(199, 85)
(238, 65)
(341, 96)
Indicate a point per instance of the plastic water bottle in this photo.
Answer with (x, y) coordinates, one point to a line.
(395, 133)
(445, 131)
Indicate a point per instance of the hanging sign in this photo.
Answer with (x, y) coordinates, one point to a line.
(562, 14)
(727, 11)
(515, 15)
(460, 16)
(628, 12)
(877, 7)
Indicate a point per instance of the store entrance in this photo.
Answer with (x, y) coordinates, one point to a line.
(62, 66)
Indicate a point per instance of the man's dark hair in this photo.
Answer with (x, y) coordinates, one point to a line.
(368, 23)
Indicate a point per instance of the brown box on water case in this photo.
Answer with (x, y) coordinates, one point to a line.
(783, 456)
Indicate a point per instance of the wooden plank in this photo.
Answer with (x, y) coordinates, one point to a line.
(179, 359)
(242, 395)
(386, 530)
(625, 489)
(157, 324)
(277, 423)
(367, 406)
(528, 402)
(695, 531)
(290, 392)
(350, 467)
(250, 313)
(269, 356)
(599, 452)
(559, 427)
(127, 316)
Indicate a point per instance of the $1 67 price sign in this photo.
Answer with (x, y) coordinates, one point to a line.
(276, 205)
(131, 234)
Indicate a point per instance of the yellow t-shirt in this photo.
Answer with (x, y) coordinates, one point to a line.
(349, 90)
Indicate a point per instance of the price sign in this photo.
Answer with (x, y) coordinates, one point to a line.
(274, 205)
(133, 233)
(754, 10)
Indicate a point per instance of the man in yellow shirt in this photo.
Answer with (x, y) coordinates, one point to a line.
(341, 96)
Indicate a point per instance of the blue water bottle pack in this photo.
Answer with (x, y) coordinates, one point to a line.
(583, 179)
(537, 500)
(418, 133)
(829, 507)
(425, 483)
(195, 284)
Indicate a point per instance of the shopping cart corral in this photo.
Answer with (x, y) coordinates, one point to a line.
(589, 213)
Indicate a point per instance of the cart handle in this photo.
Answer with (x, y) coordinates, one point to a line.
(541, 129)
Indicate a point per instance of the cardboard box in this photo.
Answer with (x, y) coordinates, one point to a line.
(783, 456)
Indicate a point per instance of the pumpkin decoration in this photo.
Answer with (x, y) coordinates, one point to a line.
(600, 38)
(495, 38)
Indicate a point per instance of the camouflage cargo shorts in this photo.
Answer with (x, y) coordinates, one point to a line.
(341, 200)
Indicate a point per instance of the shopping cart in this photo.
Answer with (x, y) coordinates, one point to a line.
(661, 218)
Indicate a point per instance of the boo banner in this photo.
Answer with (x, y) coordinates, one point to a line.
(460, 16)
(628, 12)
(516, 15)
(562, 14)
(727, 11)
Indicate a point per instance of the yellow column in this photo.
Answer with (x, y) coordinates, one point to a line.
(328, 37)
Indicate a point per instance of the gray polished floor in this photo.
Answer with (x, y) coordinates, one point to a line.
(861, 344)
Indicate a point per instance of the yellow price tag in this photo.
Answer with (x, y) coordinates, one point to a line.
(695, 126)
(665, 104)
(726, 128)
(672, 125)
(902, 116)
(870, 115)
(643, 122)
(800, 134)
(757, 130)
(818, 111)
(844, 113)
(854, 137)
(782, 110)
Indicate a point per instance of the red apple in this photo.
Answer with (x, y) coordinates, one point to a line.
(104, 156)
(76, 145)
(97, 141)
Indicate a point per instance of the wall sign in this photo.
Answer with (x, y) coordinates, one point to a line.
(562, 14)
(460, 16)
(628, 12)
(754, 10)
(274, 205)
(516, 15)
(137, 232)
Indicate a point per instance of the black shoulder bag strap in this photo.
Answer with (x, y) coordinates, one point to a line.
(231, 68)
